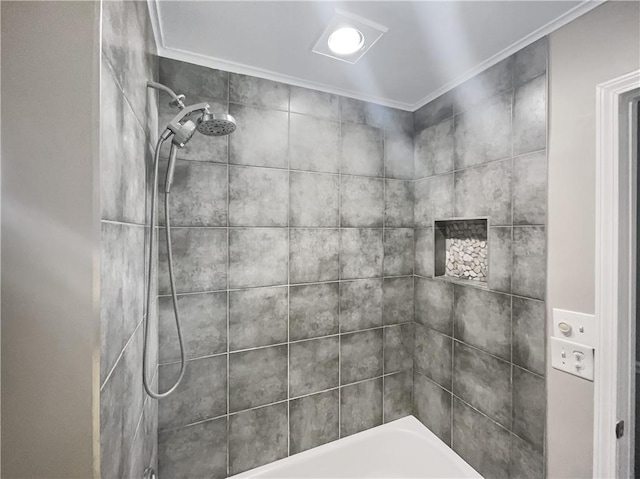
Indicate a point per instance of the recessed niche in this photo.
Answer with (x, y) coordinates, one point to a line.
(461, 250)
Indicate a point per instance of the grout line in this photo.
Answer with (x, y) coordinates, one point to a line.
(228, 284)
(282, 401)
(288, 275)
(295, 341)
(250, 288)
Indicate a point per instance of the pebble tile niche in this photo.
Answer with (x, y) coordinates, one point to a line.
(461, 250)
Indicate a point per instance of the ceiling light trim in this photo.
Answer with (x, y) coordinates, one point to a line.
(371, 32)
(220, 64)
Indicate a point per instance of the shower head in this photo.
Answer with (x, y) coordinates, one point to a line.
(211, 124)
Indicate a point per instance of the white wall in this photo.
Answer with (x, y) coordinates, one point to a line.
(50, 239)
(599, 46)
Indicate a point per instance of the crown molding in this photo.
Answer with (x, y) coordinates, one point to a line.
(562, 20)
(234, 67)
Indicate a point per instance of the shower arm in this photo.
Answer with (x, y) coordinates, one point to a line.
(176, 100)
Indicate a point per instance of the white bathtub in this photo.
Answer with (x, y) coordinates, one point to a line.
(399, 449)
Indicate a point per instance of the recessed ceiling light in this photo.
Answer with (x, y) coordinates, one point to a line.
(348, 37)
(345, 41)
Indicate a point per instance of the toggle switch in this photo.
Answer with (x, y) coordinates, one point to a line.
(573, 358)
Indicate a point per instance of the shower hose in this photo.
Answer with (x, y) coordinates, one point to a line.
(174, 298)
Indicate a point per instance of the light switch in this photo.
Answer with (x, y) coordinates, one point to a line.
(575, 327)
(573, 358)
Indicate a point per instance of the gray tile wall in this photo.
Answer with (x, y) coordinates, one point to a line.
(128, 118)
(480, 150)
(293, 247)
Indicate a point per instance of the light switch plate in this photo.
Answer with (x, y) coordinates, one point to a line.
(583, 327)
(573, 358)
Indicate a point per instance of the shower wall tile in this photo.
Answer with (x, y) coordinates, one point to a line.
(361, 202)
(433, 199)
(314, 144)
(132, 392)
(529, 334)
(258, 196)
(397, 396)
(360, 356)
(397, 300)
(485, 191)
(194, 451)
(398, 154)
(111, 417)
(398, 348)
(492, 81)
(360, 304)
(483, 381)
(189, 79)
(529, 407)
(361, 253)
(200, 147)
(257, 317)
(261, 139)
(361, 150)
(432, 352)
(128, 124)
(500, 256)
(529, 260)
(258, 257)
(111, 296)
(259, 92)
(316, 103)
(434, 150)
(313, 311)
(122, 155)
(432, 406)
(360, 406)
(313, 420)
(480, 441)
(526, 462)
(434, 304)
(198, 195)
(398, 252)
(423, 252)
(257, 437)
(201, 395)
(433, 112)
(357, 111)
(313, 255)
(129, 47)
(530, 189)
(398, 204)
(314, 199)
(257, 377)
(491, 131)
(203, 318)
(530, 62)
(483, 133)
(398, 120)
(313, 366)
(483, 319)
(529, 116)
(199, 260)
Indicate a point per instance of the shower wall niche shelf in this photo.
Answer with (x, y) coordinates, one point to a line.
(461, 250)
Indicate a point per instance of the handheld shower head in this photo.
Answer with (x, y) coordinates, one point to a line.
(211, 124)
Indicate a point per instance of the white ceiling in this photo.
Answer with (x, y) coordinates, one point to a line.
(430, 46)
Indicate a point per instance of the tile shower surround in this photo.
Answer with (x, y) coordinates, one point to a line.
(128, 124)
(293, 243)
(479, 354)
(315, 212)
